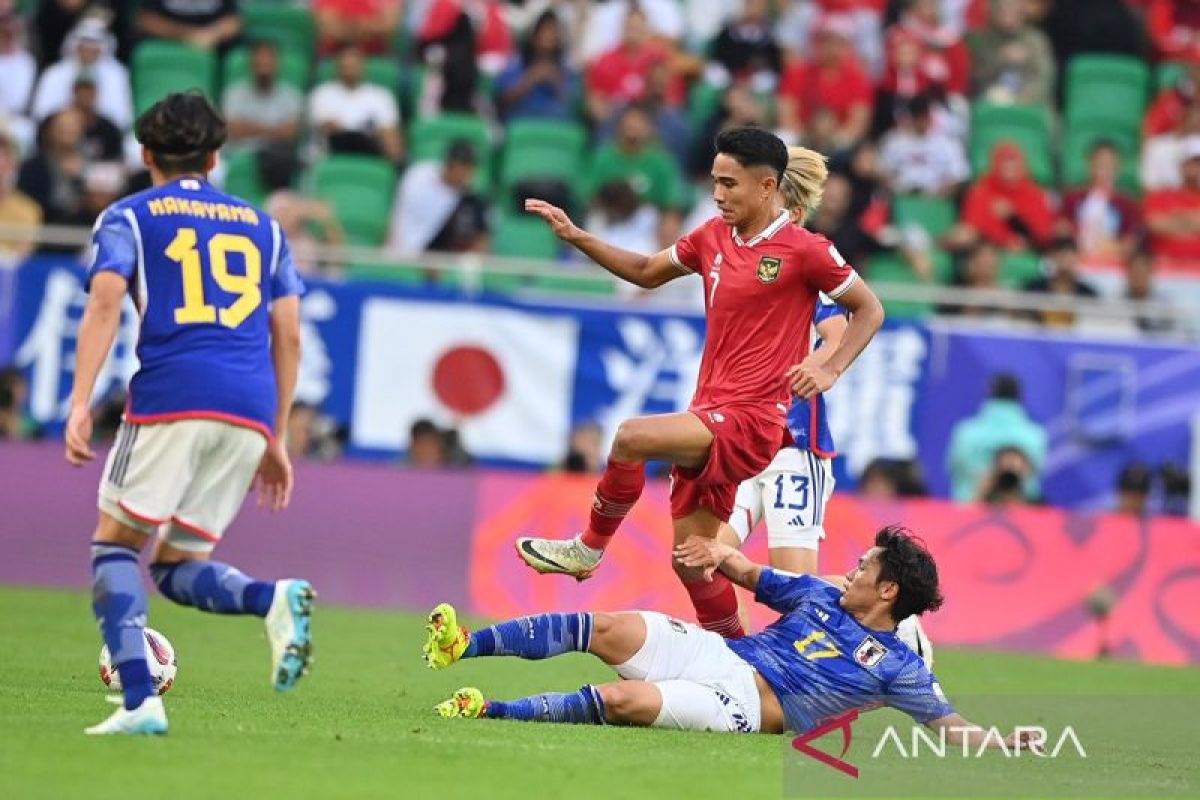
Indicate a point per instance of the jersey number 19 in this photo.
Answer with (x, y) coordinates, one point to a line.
(184, 251)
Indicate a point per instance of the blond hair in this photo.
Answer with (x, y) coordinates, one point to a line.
(803, 182)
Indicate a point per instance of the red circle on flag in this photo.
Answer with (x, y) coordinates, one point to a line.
(468, 379)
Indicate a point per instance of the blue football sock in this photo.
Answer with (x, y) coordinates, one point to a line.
(213, 586)
(584, 707)
(535, 637)
(119, 603)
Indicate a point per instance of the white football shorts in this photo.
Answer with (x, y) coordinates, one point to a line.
(705, 686)
(188, 478)
(791, 495)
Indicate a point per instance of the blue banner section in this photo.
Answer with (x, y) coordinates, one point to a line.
(1103, 405)
(516, 374)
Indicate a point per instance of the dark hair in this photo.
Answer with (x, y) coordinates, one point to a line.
(1005, 386)
(1103, 144)
(547, 17)
(263, 42)
(1135, 477)
(907, 562)
(424, 427)
(180, 131)
(920, 105)
(754, 147)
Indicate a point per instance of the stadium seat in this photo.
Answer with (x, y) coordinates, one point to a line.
(1168, 74)
(933, 214)
(293, 68)
(242, 177)
(161, 67)
(428, 138)
(360, 189)
(524, 236)
(1028, 126)
(378, 70)
(1107, 89)
(401, 274)
(1018, 269)
(1077, 146)
(292, 26)
(543, 149)
(703, 101)
(889, 268)
(598, 286)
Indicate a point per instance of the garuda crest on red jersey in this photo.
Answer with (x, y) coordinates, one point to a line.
(768, 268)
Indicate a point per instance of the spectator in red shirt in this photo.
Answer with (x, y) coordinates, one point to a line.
(944, 60)
(622, 75)
(1173, 217)
(1104, 222)
(1169, 108)
(1005, 207)
(834, 82)
(1175, 27)
(370, 24)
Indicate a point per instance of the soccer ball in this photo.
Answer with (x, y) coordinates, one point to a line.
(159, 654)
(912, 634)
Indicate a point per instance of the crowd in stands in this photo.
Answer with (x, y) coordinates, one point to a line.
(1050, 145)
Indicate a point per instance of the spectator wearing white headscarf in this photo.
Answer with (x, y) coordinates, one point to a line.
(89, 47)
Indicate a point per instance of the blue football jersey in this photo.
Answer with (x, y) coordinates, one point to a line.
(822, 662)
(807, 418)
(203, 268)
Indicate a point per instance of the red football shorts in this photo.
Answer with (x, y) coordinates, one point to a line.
(745, 440)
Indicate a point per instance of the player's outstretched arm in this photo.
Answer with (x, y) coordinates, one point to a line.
(709, 555)
(959, 730)
(648, 272)
(97, 330)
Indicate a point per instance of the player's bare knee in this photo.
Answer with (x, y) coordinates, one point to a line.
(628, 702)
(631, 441)
(112, 531)
(604, 626)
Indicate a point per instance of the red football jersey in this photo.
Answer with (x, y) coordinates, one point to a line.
(759, 298)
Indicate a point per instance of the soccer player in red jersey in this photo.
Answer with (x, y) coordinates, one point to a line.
(761, 277)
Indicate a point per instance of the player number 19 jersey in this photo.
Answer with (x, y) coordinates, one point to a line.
(203, 268)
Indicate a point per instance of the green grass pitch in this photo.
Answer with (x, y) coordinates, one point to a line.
(360, 726)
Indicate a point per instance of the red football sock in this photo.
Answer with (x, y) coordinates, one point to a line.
(619, 488)
(716, 606)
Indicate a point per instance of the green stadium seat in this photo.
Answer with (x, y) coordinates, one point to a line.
(360, 189)
(598, 286)
(1028, 126)
(934, 214)
(543, 149)
(524, 236)
(1107, 89)
(161, 67)
(401, 274)
(1077, 146)
(378, 70)
(703, 101)
(293, 68)
(428, 138)
(292, 26)
(1168, 74)
(242, 177)
(889, 268)
(1018, 269)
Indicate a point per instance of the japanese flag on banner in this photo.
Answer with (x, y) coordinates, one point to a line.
(502, 377)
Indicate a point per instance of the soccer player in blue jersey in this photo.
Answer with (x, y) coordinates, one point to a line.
(218, 296)
(833, 650)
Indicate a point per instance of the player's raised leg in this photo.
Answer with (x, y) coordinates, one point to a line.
(681, 439)
(119, 603)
